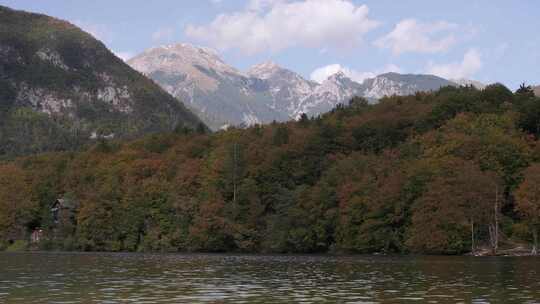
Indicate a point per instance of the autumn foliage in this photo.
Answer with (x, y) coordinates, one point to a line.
(443, 172)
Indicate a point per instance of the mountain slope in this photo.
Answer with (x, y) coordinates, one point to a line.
(60, 86)
(537, 90)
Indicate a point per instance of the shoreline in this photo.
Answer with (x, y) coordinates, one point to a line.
(514, 252)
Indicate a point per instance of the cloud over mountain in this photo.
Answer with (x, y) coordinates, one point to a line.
(321, 74)
(471, 63)
(278, 25)
(410, 35)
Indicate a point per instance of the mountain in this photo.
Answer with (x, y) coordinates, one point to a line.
(60, 87)
(287, 89)
(266, 92)
(293, 95)
(398, 84)
(221, 94)
(338, 88)
(537, 90)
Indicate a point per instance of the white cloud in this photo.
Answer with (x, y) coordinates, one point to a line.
(258, 5)
(124, 55)
(471, 63)
(409, 35)
(275, 25)
(163, 34)
(321, 74)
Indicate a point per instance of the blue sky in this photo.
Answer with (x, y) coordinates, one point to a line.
(484, 40)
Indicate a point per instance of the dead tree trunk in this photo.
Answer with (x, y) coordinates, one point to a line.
(535, 240)
(473, 249)
(494, 228)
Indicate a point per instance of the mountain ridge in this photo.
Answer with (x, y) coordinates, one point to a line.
(265, 92)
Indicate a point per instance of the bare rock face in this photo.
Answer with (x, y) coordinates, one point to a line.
(224, 96)
(53, 58)
(43, 100)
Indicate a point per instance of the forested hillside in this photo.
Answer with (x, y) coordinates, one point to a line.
(438, 172)
(60, 88)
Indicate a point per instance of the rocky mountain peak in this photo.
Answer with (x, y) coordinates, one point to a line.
(337, 87)
(274, 73)
(177, 56)
(338, 77)
(265, 70)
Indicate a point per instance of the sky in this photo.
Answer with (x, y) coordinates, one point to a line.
(485, 40)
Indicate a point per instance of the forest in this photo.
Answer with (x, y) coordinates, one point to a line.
(445, 172)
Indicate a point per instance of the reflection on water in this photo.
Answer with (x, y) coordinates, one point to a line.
(153, 278)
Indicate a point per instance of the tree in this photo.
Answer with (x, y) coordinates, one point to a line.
(281, 135)
(210, 230)
(304, 120)
(234, 166)
(529, 115)
(358, 102)
(525, 91)
(18, 208)
(494, 96)
(246, 216)
(457, 201)
(528, 201)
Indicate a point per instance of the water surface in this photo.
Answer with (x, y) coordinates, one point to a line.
(157, 278)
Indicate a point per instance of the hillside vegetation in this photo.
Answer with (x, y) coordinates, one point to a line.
(59, 87)
(439, 172)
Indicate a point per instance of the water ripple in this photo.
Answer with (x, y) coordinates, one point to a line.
(152, 278)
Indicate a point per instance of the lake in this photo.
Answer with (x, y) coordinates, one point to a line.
(199, 278)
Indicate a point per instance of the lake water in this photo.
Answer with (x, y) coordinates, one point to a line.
(156, 278)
